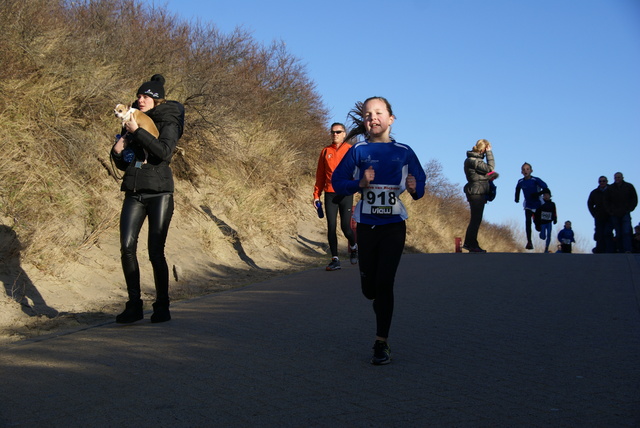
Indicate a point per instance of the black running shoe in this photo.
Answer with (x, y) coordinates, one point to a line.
(334, 264)
(381, 353)
(353, 256)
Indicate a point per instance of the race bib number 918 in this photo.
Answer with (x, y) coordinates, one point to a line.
(381, 199)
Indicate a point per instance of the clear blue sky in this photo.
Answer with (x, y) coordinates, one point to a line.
(555, 83)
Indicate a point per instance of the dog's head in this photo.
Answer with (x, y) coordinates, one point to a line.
(121, 111)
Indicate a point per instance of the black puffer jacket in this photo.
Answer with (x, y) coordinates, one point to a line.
(155, 176)
(476, 170)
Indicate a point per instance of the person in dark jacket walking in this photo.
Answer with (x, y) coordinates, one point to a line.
(148, 187)
(620, 199)
(479, 173)
(602, 223)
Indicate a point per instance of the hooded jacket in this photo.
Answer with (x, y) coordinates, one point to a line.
(476, 170)
(546, 213)
(154, 176)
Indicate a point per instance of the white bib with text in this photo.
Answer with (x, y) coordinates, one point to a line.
(381, 199)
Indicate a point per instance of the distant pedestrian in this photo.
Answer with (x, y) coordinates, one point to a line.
(620, 199)
(531, 190)
(603, 228)
(381, 169)
(330, 157)
(545, 216)
(479, 174)
(566, 237)
(635, 244)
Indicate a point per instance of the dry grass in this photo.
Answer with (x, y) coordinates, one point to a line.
(244, 167)
(255, 125)
(63, 71)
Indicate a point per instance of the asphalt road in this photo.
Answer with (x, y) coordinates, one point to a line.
(478, 340)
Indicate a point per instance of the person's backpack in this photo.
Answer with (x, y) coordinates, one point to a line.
(492, 187)
(492, 191)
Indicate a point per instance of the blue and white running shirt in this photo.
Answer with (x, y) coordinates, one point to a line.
(392, 163)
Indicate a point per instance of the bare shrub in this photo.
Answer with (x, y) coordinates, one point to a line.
(252, 113)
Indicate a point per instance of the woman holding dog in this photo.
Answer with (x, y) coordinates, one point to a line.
(479, 173)
(148, 187)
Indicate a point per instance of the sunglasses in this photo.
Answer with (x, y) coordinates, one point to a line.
(337, 132)
(602, 181)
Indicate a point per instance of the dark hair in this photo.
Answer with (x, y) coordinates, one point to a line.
(357, 117)
(546, 191)
(338, 124)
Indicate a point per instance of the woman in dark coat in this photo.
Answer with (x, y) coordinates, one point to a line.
(479, 173)
(148, 187)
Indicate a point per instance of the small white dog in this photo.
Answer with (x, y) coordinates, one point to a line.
(127, 112)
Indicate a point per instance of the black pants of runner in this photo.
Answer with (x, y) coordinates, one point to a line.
(380, 249)
(159, 210)
(476, 206)
(334, 204)
(528, 218)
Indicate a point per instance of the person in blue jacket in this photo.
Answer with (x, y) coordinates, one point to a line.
(532, 188)
(566, 237)
(380, 169)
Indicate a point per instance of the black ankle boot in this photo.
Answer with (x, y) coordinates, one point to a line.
(160, 312)
(132, 312)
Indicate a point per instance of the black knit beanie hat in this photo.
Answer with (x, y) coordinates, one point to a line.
(154, 88)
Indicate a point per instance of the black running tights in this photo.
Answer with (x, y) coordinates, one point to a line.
(380, 249)
(333, 204)
(528, 218)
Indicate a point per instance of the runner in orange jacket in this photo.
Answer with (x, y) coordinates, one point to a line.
(330, 157)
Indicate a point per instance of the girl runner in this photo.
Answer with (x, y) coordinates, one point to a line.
(380, 169)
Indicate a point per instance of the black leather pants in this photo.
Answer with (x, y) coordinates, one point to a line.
(159, 210)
